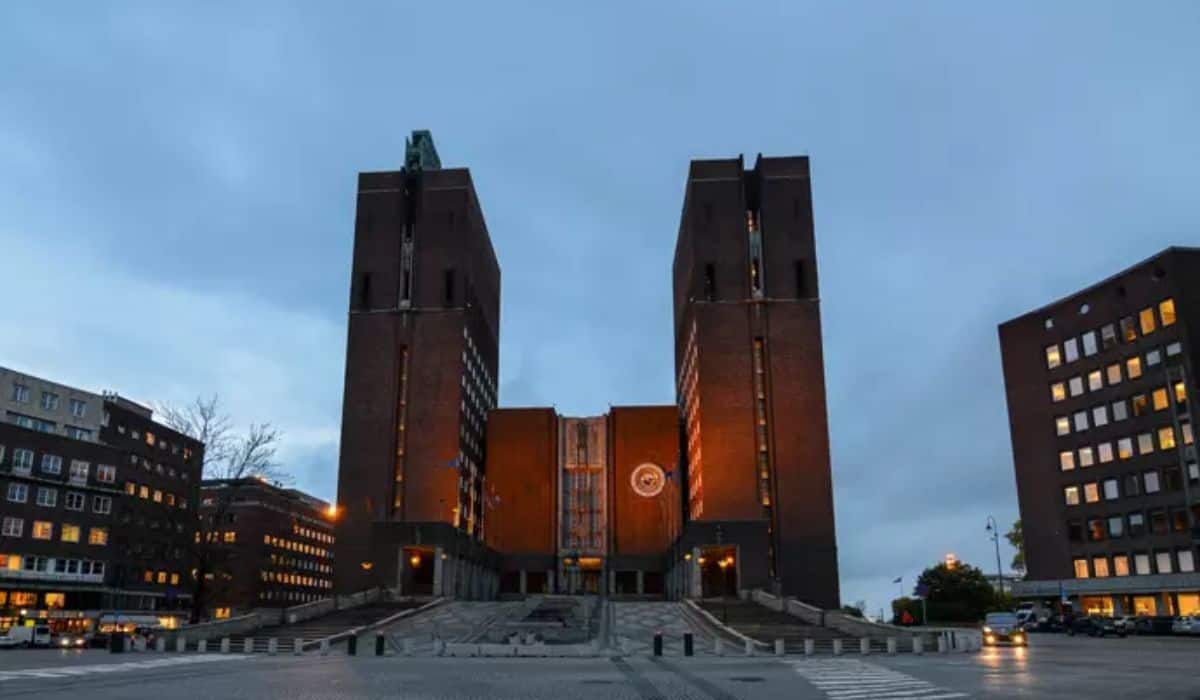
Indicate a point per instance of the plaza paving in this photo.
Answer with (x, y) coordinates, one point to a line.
(1054, 667)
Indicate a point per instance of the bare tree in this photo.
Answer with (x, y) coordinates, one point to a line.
(229, 456)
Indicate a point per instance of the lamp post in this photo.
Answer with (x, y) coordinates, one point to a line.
(994, 529)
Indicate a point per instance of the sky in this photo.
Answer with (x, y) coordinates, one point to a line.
(177, 184)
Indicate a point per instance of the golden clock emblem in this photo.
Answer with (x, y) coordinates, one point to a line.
(647, 480)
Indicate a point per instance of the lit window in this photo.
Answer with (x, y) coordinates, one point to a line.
(1053, 359)
(162, 577)
(1071, 350)
(1116, 526)
(1076, 385)
(1081, 568)
(106, 473)
(1091, 492)
(1133, 367)
(1108, 336)
(1114, 373)
(1062, 425)
(1120, 565)
(1071, 495)
(1120, 411)
(229, 537)
(1125, 448)
(1095, 380)
(1180, 392)
(1141, 564)
(1100, 415)
(1095, 530)
(1153, 358)
(1058, 392)
(1128, 329)
(1081, 421)
(1162, 560)
(1141, 405)
(70, 533)
(1160, 399)
(1150, 480)
(43, 530)
(1186, 563)
(1166, 312)
(1166, 438)
(1146, 321)
(1186, 430)
(1089, 343)
(1145, 443)
(157, 496)
(1105, 452)
(130, 488)
(1100, 566)
(143, 491)
(1174, 349)
(1086, 457)
(1110, 490)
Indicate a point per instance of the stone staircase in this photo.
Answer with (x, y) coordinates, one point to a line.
(765, 625)
(318, 628)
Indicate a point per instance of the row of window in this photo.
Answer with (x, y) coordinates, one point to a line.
(1147, 322)
(44, 530)
(46, 426)
(1164, 562)
(304, 564)
(23, 461)
(1134, 485)
(1111, 375)
(312, 534)
(146, 493)
(1140, 405)
(1103, 453)
(29, 562)
(290, 596)
(291, 579)
(160, 577)
(50, 400)
(157, 467)
(292, 546)
(1162, 521)
(152, 440)
(48, 498)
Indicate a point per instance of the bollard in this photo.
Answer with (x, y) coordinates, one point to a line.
(272, 646)
(225, 645)
(408, 646)
(181, 645)
(941, 644)
(718, 646)
(379, 641)
(918, 645)
(297, 646)
(325, 647)
(778, 647)
(352, 645)
(864, 646)
(658, 643)
(837, 647)
(891, 642)
(688, 650)
(749, 648)
(160, 644)
(810, 646)
(248, 645)
(202, 646)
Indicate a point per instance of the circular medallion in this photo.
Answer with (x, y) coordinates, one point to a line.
(647, 480)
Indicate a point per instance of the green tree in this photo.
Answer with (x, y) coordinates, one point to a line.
(1016, 537)
(957, 594)
(857, 609)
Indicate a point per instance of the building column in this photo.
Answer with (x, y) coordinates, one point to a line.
(439, 578)
(1162, 603)
(550, 581)
(522, 589)
(612, 582)
(695, 585)
(641, 582)
(1117, 606)
(399, 571)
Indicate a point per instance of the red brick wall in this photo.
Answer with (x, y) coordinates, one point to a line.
(639, 434)
(522, 470)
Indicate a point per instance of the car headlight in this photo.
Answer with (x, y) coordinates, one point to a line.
(987, 629)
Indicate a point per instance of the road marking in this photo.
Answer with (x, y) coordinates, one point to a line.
(851, 679)
(69, 671)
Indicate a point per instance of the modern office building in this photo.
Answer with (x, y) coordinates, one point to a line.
(1099, 386)
(440, 491)
(97, 506)
(275, 545)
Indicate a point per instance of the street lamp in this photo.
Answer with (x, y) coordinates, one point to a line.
(994, 529)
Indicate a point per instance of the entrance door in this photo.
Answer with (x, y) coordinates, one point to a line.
(718, 572)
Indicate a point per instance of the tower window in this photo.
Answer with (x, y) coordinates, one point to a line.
(364, 291)
(801, 280)
(449, 287)
(710, 281)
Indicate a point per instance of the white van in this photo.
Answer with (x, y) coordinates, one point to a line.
(36, 636)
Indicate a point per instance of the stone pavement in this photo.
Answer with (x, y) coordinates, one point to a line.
(637, 623)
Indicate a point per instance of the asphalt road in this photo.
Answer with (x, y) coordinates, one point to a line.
(1054, 667)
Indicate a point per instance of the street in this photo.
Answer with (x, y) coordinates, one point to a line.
(1054, 667)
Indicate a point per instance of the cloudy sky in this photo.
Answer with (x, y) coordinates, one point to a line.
(177, 191)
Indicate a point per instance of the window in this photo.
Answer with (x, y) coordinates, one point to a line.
(78, 408)
(1166, 438)
(1095, 380)
(1100, 566)
(12, 527)
(1066, 460)
(49, 401)
(1141, 564)
(1071, 350)
(79, 471)
(1185, 429)
(51, 464)
(1159, 525)
(22, 461)
(1086, 457)
(229, 537)
(1162, 560)
(1071, 495)
(43, 530)
(1128, 329)
(1133, 485)
(1146, 321)
(1180, 392)
(1091, 493)
(1145, 443)
(1114, 373)
(1120, 565)
(1179, 521)
(1174, 349)
(1095, 528)
(78, 433)
(106, 473)
(1053, 359)
(1137, 524)
(20, 393)
(47, 497)
(1133, 367)
(1159, 398)
(18, 493)
(130, 488)
(1100, 416)
(102, 505)
(1081, 568)
(1150, 481)
(143, 491)
(1111, 492)
(1081, 421)
(1186, 563)
(1076, 385)
(1062, 426)
(1120, 410)
(1105, 452)
(1108, 336)
(1141, 405)
(1116, 526)
(98, 536)
(1166, 312)
(70, 533)
(1153, 358)
(1125, 448)
(1058, 392)
(1089, 343)
(1172, 479)
(157, 496)
(74, 500)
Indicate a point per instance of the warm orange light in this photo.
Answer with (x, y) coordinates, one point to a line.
(367, 565)
(723, 563)
(415, 560)
(331, 511)
(951, 560)
(702, 560)
(688, 556)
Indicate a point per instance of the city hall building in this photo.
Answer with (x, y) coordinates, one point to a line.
(441, 491)
(1099, 388)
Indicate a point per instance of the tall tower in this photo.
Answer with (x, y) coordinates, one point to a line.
(421, 369)
(750, 380)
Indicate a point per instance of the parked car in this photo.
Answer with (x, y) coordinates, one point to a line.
(1125, 623)
(36, 636)
(1003, 627)
(1188, 624)
(70, 640)
(1153, 624)
(1095, 626)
